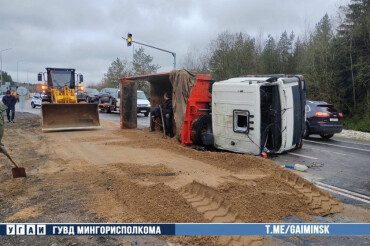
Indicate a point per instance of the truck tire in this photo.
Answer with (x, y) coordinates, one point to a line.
(33, 105)
(202, 125)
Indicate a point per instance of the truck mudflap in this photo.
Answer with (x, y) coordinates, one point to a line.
(69, 116)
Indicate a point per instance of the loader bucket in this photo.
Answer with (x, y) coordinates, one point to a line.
(69, 116)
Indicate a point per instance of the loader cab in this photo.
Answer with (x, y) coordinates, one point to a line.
(60, 77)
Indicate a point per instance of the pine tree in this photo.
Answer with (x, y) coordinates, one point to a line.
(270, 56)
(143, 65)
(117, 70)
(6, 77)
(354, 63)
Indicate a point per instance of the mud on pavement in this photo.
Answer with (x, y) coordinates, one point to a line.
(113, 175)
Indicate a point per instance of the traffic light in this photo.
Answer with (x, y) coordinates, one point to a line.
(129, 39)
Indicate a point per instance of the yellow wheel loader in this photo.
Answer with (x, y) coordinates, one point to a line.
(60, 109)
(13, 91)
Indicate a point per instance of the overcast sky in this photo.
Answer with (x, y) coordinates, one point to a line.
(86, 35)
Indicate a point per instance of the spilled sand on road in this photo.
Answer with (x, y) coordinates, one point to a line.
(114, 175)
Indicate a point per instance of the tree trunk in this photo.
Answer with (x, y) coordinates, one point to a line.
(353, 80)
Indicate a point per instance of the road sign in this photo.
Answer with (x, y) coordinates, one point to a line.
(22, 91)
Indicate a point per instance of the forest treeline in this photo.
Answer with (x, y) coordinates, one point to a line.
(334, 58)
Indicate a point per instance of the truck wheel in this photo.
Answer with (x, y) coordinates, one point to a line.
(33, 105)
(146, 114)
(326, 136)
(201, 126)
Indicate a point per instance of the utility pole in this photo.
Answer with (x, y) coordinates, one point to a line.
(129, 41)
(17, 69)
(1, 61)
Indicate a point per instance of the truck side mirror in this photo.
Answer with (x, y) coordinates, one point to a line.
(39, 77)
(81, 78)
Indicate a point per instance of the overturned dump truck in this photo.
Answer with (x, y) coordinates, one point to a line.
(60, 109)
(252, 114)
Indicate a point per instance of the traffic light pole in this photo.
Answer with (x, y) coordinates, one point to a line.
(173, 53)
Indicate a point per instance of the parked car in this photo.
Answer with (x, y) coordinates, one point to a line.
(88, 95)
(36, 101)
(143, 104)
(322, 119)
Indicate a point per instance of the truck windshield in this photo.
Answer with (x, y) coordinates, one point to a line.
(61, 78)
(141, 95)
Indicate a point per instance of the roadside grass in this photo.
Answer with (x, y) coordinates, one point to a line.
(356, 123)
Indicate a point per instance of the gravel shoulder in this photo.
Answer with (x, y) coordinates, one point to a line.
(364, 136)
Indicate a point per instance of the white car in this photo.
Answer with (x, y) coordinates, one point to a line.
(143, 105)
(36, 101)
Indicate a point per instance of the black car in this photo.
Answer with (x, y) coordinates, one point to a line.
(322, 119)
(108, 95)
(88, 95)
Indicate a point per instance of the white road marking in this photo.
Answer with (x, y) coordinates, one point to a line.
(305, 156)
(367, 150)
(332, 152)
(343, 194)
(343, 190)
(352, 142)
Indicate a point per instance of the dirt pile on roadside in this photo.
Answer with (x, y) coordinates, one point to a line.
(112, 175)
(269, 179)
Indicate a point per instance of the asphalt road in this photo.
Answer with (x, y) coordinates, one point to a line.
(341, 163)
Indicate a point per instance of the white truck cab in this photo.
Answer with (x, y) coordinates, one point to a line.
(258, 113)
